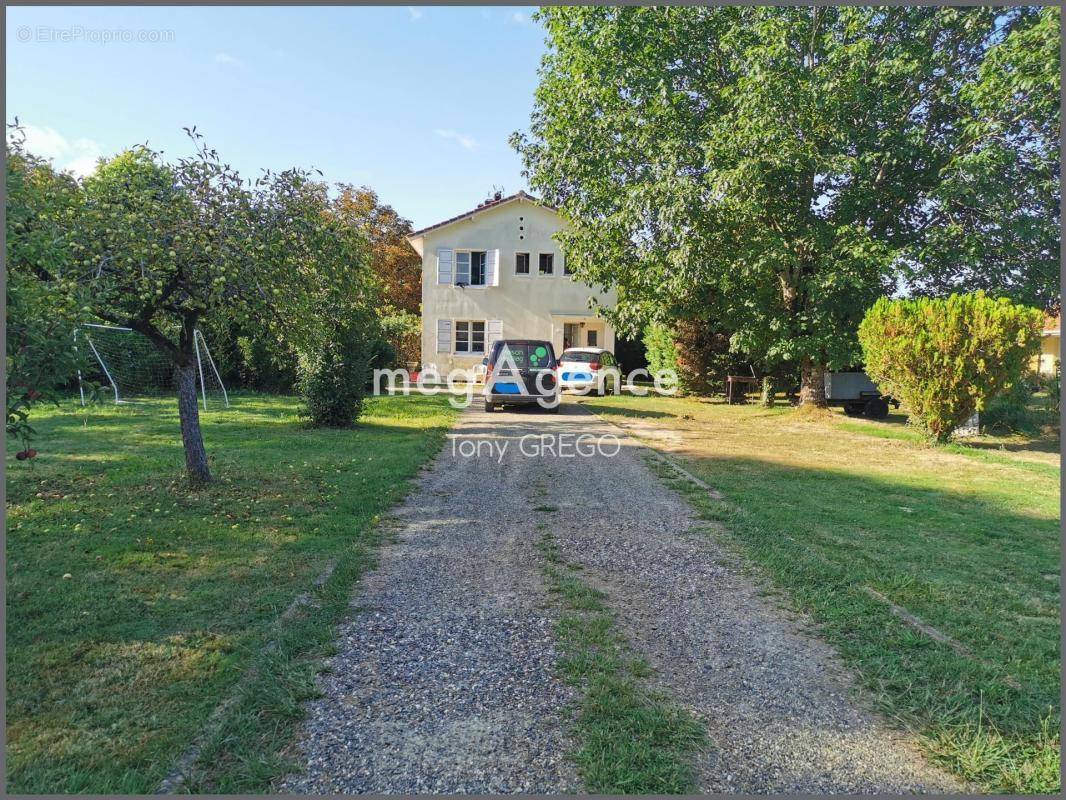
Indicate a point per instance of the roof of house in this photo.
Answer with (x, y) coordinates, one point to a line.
(495, 202)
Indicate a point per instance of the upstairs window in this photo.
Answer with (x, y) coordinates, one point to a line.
(521, 263)
(547, 264)
(470, 267)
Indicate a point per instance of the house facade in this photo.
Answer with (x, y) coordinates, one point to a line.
(497, 273)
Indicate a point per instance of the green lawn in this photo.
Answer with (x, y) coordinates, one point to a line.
(135, 605)
(965, 537)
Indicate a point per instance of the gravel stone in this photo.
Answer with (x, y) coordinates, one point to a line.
(444, 677)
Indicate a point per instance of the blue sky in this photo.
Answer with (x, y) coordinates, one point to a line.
(416, 102)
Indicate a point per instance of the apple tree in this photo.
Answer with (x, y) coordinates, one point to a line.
(171, 245)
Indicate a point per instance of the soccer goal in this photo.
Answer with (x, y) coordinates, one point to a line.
(136, 370)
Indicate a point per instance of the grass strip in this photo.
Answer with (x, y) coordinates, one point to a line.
(963, 738)
(632, 740)
(963, 537)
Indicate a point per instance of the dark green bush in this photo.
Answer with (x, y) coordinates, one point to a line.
(946, 358)
(267, 364)
(335, 373)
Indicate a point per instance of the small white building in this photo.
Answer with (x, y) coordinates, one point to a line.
(496, 272)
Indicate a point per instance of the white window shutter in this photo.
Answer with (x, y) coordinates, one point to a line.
(492, 268)
(444, 266)
(493, 333)
(444, 335)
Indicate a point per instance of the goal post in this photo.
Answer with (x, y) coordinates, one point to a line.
(135, 369)
(200, 343)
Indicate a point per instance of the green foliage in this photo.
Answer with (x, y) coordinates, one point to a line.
(44, 299)
(392, 259)
(1003, 233)
(947, 358)
(335, 372)
(777, 169)
(403, 331)
(660, 348)
(266, 364)
(696, 351)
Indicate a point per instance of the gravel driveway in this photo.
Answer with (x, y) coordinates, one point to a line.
(444, 677)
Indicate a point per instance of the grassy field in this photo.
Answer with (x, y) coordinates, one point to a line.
(134, 606)
(846, 517)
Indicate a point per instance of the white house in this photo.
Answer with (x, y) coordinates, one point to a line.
(496, 272)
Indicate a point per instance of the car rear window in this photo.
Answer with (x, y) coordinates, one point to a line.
(531, 355)
(582, 358)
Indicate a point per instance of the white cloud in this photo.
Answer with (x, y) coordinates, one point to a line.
(72, 155)
(467, 142)
(519, 18)
(230, 61)
(415, 13)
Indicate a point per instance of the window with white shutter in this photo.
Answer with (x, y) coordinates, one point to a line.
(444, 265)
(444, 335)
(492, 268)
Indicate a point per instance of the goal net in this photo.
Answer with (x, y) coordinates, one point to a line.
(134, 369)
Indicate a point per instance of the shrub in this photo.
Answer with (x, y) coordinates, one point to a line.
(266, 363)
(945, 358)
(660, 348)
(336, 371)
(403, 331)
(698, 351)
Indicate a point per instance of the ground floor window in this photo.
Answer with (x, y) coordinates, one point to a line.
(469, 337)
(592, 339)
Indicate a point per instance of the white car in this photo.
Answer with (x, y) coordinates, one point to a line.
(589, 370)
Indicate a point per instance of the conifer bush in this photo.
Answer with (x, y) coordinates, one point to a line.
(946, 358)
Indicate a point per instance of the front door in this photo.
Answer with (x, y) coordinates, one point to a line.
(571, 335)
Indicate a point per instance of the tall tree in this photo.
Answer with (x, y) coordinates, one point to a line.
(1005, 241)
(396, 264)
(779, 168)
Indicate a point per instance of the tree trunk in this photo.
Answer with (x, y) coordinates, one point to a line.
(812, 384)
(189, 413)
